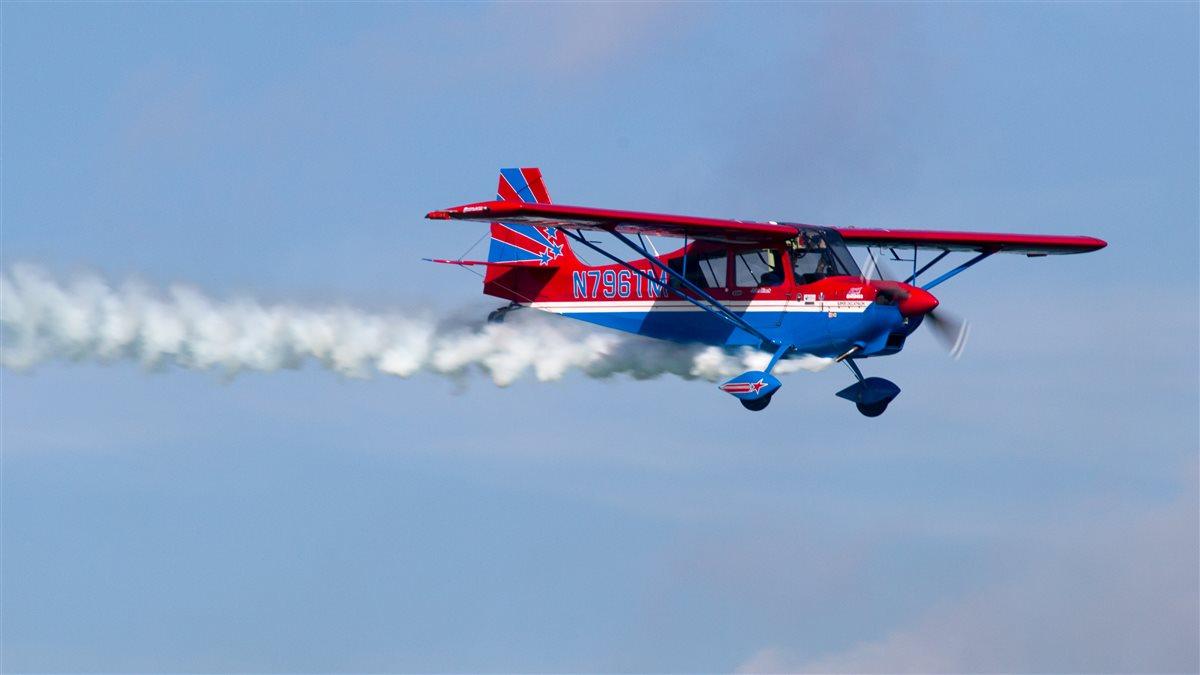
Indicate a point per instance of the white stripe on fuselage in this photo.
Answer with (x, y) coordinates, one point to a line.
(615, 306)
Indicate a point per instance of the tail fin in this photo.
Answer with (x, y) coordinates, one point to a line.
(514, 243)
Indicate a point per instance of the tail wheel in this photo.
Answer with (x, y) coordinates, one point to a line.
(497, 315)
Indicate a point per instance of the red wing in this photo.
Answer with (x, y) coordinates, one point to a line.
(748, 232)
(1029, 244)
(627, 222)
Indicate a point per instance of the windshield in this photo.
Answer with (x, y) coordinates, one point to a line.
(819, 254)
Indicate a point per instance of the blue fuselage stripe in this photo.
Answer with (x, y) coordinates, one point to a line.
(816, 333)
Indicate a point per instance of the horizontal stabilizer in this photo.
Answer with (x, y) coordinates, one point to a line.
(488, 263)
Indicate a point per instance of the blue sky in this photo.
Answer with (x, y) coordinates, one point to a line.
(1030, 508)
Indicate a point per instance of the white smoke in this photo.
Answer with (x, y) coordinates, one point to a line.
(90, 320)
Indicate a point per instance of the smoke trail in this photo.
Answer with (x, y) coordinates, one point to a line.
(92, 321)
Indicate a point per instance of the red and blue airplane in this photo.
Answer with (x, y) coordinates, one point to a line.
(788, 289)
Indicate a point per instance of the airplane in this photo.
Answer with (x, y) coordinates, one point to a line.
(788, 289)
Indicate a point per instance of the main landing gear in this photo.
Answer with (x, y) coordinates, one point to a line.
(757, 404)
(871, 395)
(754, 388)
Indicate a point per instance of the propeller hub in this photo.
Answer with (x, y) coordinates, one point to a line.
(918, 302)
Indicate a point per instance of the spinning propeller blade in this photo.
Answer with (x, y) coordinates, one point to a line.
(951, 331)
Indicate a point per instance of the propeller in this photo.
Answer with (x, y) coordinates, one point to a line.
(950, 330)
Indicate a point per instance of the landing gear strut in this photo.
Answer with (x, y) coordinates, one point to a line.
(871, 395)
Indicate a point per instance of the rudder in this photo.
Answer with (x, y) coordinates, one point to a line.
(519, 243)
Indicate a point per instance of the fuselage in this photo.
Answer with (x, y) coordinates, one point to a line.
(808, 293)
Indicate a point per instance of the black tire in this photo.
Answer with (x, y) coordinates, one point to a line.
(757, 404)
(872, 409)
(496, 316)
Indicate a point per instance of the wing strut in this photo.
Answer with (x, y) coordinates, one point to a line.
(916, 273)
(728, 313)
(958, 269)
(716, 309)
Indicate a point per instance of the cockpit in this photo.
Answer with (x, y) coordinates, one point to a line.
(817, 254)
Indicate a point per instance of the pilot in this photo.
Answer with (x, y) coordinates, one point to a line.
(825, 267)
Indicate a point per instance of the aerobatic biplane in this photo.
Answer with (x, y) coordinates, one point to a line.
(785, 288)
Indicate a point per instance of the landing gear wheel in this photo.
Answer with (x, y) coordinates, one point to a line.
(757, 404)
(872, 409)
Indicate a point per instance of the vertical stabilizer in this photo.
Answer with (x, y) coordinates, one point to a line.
(513, 242)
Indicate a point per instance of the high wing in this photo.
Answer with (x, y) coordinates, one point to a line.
(750, 232)
(1029, 244)
(625, 222)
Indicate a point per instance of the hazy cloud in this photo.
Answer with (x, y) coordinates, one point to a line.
(1115, 594)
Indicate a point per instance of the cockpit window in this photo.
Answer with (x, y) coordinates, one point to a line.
(760, 267)
(812, 265)
(819, 255)
(706, 270)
